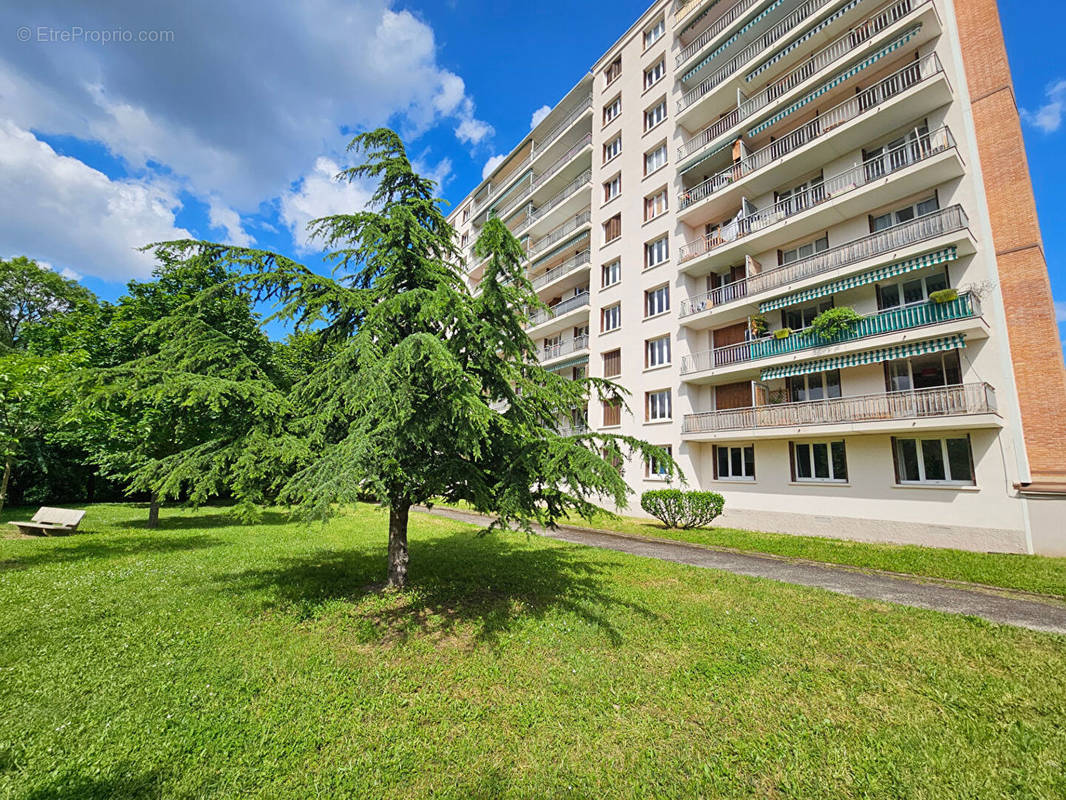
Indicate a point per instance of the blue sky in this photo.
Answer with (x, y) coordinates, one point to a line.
(233, 129)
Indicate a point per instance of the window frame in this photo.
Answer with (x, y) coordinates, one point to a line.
(653, 346)
(653, 299)
(649, 203)
(718, 476)
(612, 110)
(794, 461)
(614, 182)
(654, 405)
(613, 311)
(651, 122)
(661, 147)
(653, 33)
(607, 228)
(608, 358)
(659, 67)
(898, 460)
(611, 267)
(659, 246)
(609, 146)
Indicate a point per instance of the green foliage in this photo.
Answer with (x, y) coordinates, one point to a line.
(944, 296)
(782, 333)
(834, 322)
(30, 293)
(758, 325)
(685, 510)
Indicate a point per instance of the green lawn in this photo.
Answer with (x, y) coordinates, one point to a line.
(209, 659)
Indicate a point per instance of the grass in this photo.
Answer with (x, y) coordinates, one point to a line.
(210, 659)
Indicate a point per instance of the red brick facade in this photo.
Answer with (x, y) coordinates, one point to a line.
(1023, 276)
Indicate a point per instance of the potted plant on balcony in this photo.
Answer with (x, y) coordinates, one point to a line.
(782, 333)
(758, 325)
(835, 322)
(944, 296)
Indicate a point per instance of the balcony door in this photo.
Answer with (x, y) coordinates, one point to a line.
(896, 154)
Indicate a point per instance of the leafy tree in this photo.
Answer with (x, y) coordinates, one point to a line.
(403, 406)
(189, 406)
(30, 293)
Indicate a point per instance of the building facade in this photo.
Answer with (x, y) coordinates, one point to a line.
(801, 233)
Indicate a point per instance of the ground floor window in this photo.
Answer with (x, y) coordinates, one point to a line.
(947, 461)
(819, 461)
(656, 467)
(734, 463)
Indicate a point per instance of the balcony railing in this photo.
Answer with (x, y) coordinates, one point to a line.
(565, 348)
(564, 194)
(558, 234)
(538, 180)
(890, 240)
(765, 40)
(556, 272)
(714, 30)
(942, 401)
(965, 306)
(541, 316)
(573, 430)
(919, 149)
(866, 101)
(854, 39)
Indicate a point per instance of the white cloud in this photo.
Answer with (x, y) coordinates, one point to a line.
(490, 165)
(1048, 118)
(539, 115)
(222, 217)
(320, 194)
(74, 218)
(1060, 310)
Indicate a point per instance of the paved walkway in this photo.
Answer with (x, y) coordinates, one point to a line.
(997, 605)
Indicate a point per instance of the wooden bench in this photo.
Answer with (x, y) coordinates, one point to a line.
(51, 520)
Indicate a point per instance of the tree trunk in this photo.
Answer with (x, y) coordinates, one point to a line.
(153, 512)
(3, 483)
(398, 546)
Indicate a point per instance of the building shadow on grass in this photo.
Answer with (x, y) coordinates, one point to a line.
(71, 550)
(462, 585)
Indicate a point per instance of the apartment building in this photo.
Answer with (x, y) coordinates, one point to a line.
(731, 170)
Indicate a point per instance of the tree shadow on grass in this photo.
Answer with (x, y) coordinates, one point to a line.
(460, 585)
(118, 784)
(168, 522)
(67, 552)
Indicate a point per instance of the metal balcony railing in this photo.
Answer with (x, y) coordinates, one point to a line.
(565, 348)
(863, 103)
(913, 152)
(564, 194)
(538, 180)
(556, 272)
(965, 306)
(559, 233)
(715, 29)
(851, 41)
(942, 401)
(543, 315)
(890, 240)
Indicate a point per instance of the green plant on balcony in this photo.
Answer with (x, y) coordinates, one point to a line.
(835, 322)
(944, 296)
(783, 333)
(758, 325)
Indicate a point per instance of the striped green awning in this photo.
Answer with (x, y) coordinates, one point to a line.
(955, 342)
(873, 276)
(825, 23)
(570, 362)
(691, 166)
(730, 41)
(839, 79)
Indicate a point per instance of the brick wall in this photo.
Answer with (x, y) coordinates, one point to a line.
(1023, 276)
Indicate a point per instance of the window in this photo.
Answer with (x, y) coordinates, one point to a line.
(816, 386)
(611, 318)
(655, 74)
(612, 148)
(612, 228)
(655, 204)
(654, 33)
(612, 188)
(905, 214)
(657, 406)
(579, 373)
(612, 109)
(657, 301)
(943, 462)
(909, 292)
(654, 115)
(819, 461)
(464, 240)
(656, 252)
(801, 196)
(656, 468)
(923, 372)
(612, 413)
(657, 352)
(799, 318)
(896, 154)
(613, 70)
(734, 463)
(611, 273)
(612, 364)
(803, 251)
(466, 214)
(654, 159)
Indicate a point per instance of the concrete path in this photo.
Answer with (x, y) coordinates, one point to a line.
(996, 605)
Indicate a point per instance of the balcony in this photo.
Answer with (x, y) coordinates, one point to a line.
(888, 242)
(866, 104)
(855, 40)
(565, 348)
(539, 180)
(571, 264)
(966, 306)
(559, 198)
(560, 233)
(923, 408)
(714, 30)
(835, 199)
(541, 316)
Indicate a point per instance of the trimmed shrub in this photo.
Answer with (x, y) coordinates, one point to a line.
(943, 296)
(835, 322)
(685, 510)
